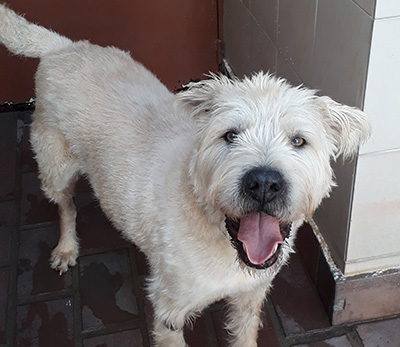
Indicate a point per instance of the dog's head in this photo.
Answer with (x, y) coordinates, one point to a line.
(263, 155)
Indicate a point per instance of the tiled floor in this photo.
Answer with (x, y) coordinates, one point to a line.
(101, 302)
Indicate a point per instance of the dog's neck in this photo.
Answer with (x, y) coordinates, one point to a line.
(197, 205)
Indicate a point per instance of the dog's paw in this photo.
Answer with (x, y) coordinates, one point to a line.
(61, 260)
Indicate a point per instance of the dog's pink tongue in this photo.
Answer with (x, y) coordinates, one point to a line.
(259, 233)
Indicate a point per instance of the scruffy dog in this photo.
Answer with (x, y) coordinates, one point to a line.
(211, 183)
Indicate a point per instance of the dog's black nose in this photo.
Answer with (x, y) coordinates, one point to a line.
(263, 185)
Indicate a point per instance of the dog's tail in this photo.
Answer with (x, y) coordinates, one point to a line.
(24, 38)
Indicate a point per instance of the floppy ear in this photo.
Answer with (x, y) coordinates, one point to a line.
(349, 126)
(200, 96)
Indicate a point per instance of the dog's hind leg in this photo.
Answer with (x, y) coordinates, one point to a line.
(67, 250)
(58, 172)
(244, 318)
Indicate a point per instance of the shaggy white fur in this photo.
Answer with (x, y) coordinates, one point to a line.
(212, 183)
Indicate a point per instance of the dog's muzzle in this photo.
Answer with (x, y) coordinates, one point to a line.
(258, 234)
(262, 186)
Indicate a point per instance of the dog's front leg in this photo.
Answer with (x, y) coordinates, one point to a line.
(244, 318)
(169, 315)
(167, 335)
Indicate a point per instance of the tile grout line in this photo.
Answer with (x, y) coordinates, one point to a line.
(355, 338)
(311, 335)
(210, 328)
(276, 324)
(318, 336)
(108, 329)
(13, 273)
(76, 300)
(41, 225)
(136, 279)
(36, 298)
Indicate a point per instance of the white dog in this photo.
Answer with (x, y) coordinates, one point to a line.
(211, 183)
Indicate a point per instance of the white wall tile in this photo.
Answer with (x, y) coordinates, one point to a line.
(382, 99)
(375, 223)
(372, 264)
(387, 8)
(339, 69)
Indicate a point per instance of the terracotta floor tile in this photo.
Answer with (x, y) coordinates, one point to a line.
(120, 339)
(106, 288)
(341, 341)
(27, 116)
(148, 310)
(8, 127)
(218, 317)
(82, 185)
(197, 336)
(325, 284)
(296, 301)
(384, 333)
(266, 336)
(308, 245)
(45, 324)
(94, 229)
(28, 163)
(7, 173)
(141, 262)
(4, 277)
(34, 273)
(7, 218)
(35, 208)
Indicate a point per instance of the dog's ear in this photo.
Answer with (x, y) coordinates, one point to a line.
(200, 97)
(349, 126)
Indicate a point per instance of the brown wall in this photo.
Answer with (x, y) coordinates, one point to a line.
(177, 40)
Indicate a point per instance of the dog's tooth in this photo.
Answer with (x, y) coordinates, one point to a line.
(275, 248)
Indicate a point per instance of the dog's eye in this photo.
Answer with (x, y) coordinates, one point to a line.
(298, 141)
(230, 136)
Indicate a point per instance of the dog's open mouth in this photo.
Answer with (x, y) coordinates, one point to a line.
(258, 238)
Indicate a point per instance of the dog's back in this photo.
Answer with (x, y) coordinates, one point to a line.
(95, 108)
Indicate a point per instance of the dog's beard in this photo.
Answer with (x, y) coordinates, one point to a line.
(258, 238)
